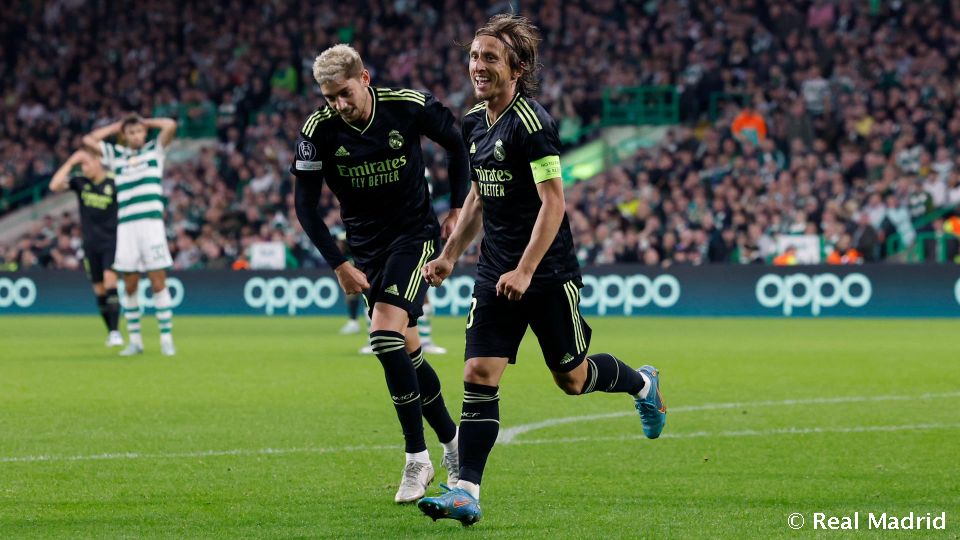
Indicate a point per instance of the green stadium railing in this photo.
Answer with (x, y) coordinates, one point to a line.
(896, 247)
(641, 105)
(717, 97)
(195, 120)
(33, 194)
(918, 251)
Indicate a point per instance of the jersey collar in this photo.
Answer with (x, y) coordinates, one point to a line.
(373, 113)
(504, 113)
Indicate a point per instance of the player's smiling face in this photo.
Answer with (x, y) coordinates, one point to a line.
(349, 97)
(490, 69)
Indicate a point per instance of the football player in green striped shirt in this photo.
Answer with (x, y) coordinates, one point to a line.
(137, 166)
(528, 275)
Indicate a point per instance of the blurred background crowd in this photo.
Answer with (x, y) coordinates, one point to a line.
(837, 118)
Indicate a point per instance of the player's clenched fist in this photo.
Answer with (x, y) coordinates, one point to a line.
(513, 284)
(436, 271)
(351, 279)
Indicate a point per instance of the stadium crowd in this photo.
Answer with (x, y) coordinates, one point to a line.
(836, 118)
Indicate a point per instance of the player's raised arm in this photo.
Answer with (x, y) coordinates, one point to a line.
(61, 178)
(167, 127)
(93, 139)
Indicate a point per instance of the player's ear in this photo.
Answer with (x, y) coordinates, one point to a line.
(365, 77)
(517, 73)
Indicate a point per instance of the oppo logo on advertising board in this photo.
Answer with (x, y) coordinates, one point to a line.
(282, 294)
(611, 294)
(21, 292)
(621, 295)
(819, 291)
(174, 285)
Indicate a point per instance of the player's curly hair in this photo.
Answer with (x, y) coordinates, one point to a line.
(339, 61)
(521, 40)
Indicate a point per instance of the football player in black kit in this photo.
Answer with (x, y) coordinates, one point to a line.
(97, 196)
(365, 143)
(528, 273)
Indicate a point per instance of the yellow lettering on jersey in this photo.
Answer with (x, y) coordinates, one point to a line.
(491, 190)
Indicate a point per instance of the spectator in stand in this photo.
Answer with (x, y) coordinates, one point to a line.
(843, 253)
(749, 126)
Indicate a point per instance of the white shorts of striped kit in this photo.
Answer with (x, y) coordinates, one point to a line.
(142, 247)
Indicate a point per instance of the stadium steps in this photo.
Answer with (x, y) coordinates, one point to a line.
(18, 222)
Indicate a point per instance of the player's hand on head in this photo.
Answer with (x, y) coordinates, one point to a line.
(513, 284)
(436, 271)
(351, 279)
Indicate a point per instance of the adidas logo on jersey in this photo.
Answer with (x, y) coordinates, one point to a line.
(473, 148)
(341, 152)
(566, 358)
(392, 290)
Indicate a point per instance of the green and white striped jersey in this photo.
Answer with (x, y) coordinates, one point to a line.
(138, 175)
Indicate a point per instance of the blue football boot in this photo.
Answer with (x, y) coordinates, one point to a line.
(652, 409)
(452, 504)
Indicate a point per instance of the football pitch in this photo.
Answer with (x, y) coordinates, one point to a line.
(277, 428)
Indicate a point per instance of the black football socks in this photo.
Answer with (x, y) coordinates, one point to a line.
(479, 426)
(431, 402)
(605, 373)
(402, 383)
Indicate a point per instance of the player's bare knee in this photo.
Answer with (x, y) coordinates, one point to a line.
(571, 382)
(157, 281)
(478, 373)
(569, 385)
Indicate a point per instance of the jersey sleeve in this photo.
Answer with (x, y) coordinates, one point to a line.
(438, 123)
(76, 183)
(307, 164)
(540, 142)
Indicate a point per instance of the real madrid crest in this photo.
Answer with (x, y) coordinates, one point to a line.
(395, 139)
(498, 152)
(108, 190)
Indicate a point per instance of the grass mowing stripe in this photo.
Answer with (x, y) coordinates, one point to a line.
(561, 440)
(508, 435)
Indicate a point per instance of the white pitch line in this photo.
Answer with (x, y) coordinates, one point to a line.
(200, 454)
(746, 433)
(517, 430)
(562, 440)
(509, 434)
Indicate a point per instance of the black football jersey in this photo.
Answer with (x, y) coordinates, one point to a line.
(507, 160)
(376, 171)
(98, 210)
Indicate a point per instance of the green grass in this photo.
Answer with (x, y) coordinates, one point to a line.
(242, 385)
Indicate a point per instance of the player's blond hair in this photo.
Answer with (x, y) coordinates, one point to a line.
(337, 62)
